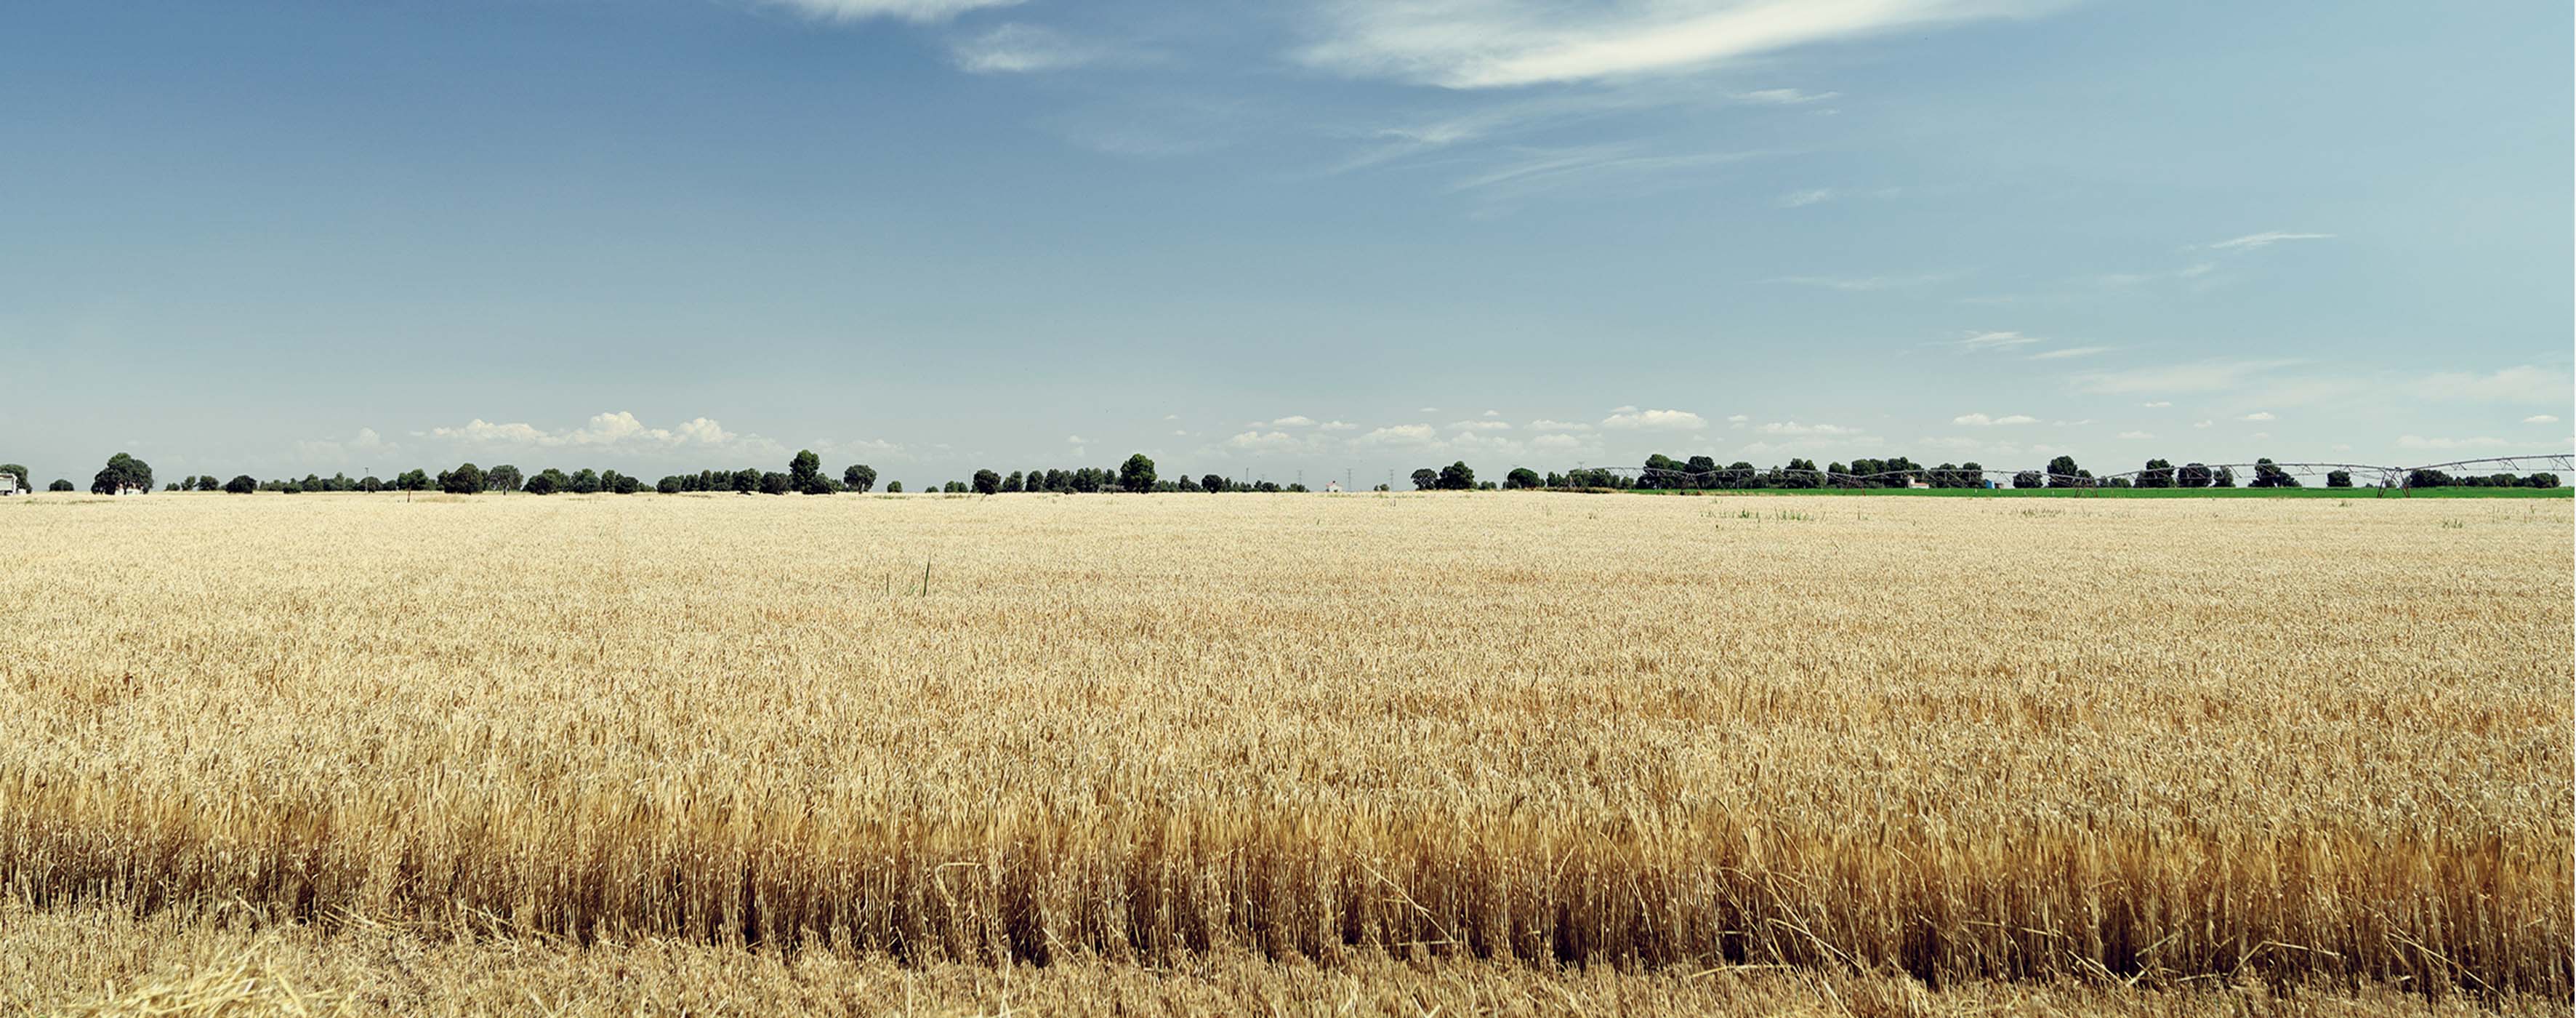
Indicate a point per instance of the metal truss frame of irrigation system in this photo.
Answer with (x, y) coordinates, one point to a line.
(2383, 478)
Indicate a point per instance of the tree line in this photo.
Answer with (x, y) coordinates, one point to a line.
(804, 475)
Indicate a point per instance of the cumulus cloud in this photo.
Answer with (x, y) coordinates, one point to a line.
(2259, 415)
(1983, 421)
(1292, 421)
(2135, 435)
(1557, 442)
(1810, 196)
(618, 429)
(2199, 376)
(1543, 424)
(2202, 424)
(365, 442)
(1795, 428)
(1492, 413)
(1481, 425)
(1402, 435)
(1266, 442)
(1336, 426)
(918, 11)
(2420, 442)
(1654, 420)
(2519, 384)
(2533, 419)
(2157, 403)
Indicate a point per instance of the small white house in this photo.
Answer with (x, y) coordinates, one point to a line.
(9, 486)
(1332, 486)
(1917, 482)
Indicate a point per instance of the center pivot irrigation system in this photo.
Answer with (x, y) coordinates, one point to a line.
(2363, 475)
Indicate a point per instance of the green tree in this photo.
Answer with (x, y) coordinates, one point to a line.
(1457, 477)
(1137, 474)
(60, 484)
(504, 478)
(774, 483)
(1521, 477)
(2338, 478)
(241, 484)
(464, 480)
(670, 485)
(1011, 484)
(2063, 473)
(122, 472)
(1426, 479)
(859, 477)
(894, 487)
(988, 483)
(547, 482)
(2191, 475)
(412, 480)
(1212, 482)
(804, 469)
(585, 481)
(2158, 474)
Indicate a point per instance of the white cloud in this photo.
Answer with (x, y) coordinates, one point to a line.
(1292, 421)
(2203, 376)
(2519, 384)
(1426, 410)
(1736, 418)
(1795, 428)
(1171, 417)
(2135, 435)
(1623, 410)
(2259, 415)
(1975, 341)
(918, 11)
(1481, 425)
(1400, 435)
(2420, 442)
(607, 429)
(1018, 48)
(2072, 351)
(1982, 421)
(1266, 442)
(2202, 424)
(2533, 419)
(1076, 440)
(1810, 196)
(1548, 425)
(1557, 442)
(1783, 97)
(1336, 426)
(1506, 43)
(1493, 413)
(2264, 239)
(2157, 403)
(1654, 420)
(365, 442)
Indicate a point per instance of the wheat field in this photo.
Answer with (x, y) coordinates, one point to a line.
(1501, 753)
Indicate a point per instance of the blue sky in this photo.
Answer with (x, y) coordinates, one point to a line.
(1265, 238)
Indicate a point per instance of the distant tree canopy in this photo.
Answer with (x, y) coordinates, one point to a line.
(859, 477)
(1457, 477)
(1137, 474)
(988, 483)
(60, 484)
(122, 471)
(504, 478)
(241, 484)
(464, 480)
(1426, 479)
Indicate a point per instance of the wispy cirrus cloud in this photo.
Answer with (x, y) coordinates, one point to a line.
(1020, 48)
(2266, 238)
(917, 11)
(1984, 421)
(1472, 44)
(1867, 284)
